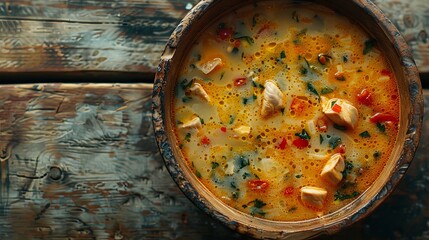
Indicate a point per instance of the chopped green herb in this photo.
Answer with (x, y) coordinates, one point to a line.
(221, 75)
(312, 89)
(259, 203)
(292, 209)
(345, 58)
(283, 111)
(186, 99)
(381, 127)
(333, 103)
(341, 78)
(215, 165)
(185, 84)
(246, 175)
(234, 195)
(321, 138)
(192, 65)
(296, 41)
(339, 127)
(258, 85)
(198, 174)
(365, 134)
(254, 97)
(243, 162)
(233, 185)
(369, 44)
(198, 57)
(303, 135)
(377, 154)
(334, 141)
(298, 176)
(254, 20)
(234, 50)
(201, 120)
(348, 169)
(303, 70)
(341, 196)
(231, 119)
(244, 101)
(295, 16)
(188, 137)
(326, 90)
(282, 54)
(302, 32)
(246, 38)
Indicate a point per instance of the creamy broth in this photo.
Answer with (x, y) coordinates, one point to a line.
(286, 112)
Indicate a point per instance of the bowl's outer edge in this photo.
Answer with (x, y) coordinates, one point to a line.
(415, 119)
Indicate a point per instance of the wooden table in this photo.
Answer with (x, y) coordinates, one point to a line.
(78, 159)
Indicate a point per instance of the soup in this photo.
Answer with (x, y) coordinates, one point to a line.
(286, 112)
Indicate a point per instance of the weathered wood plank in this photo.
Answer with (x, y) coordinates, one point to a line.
(113, 35)
(86, 35)
(79, 161)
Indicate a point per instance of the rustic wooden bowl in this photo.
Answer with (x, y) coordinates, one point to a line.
(394, 46)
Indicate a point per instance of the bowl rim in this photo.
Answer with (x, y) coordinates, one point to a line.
(414, 124)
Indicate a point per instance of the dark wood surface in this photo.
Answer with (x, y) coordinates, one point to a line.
(79, 161)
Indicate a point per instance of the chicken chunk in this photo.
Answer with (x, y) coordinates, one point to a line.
(332, 171)
(341, 112)
(198, 90)
(209, 66)
(272, 99)
(193, 123)
(313, 196)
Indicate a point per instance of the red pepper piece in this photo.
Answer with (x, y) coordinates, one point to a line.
(300, 143)
(205, 140)
(282, 145)
(382, 117)
(240, 81)
(365, 97)
(258, 185)
(336, 108)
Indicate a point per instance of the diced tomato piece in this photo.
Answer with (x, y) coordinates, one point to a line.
(282, 145)
(382, 117)
(288, 191)
(300, 143)
(258, 185)
(223, 129)
(365, 97)
(297, 105)
(336, 108)
(341, 149)
(240, 81)
(225, 33)
(322, 124)
(205, 140)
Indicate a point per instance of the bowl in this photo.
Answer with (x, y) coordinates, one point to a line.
(391, 43)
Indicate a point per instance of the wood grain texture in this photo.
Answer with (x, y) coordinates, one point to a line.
(113, 182)
(130, 35)
(62, 35)
(79, 161)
